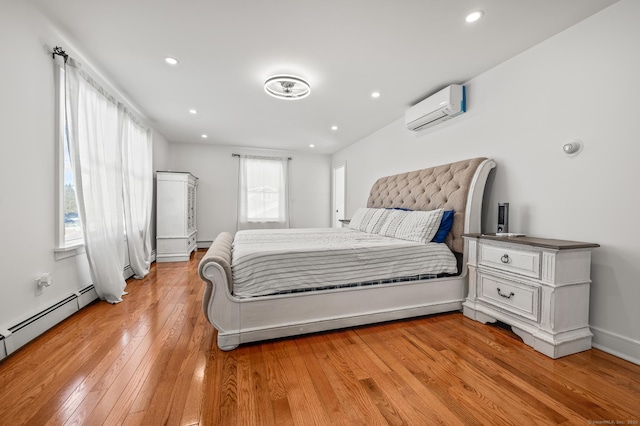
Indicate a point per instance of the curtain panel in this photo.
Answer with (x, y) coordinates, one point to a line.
(137, 190)
(263, 198)
(96, 158)
(111, 156)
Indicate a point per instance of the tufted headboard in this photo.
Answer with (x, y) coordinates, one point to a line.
(445, 186)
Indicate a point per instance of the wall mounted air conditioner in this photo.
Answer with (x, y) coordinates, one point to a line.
(441, 106)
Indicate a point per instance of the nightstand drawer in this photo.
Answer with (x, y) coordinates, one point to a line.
(520, 299)
(523, 262)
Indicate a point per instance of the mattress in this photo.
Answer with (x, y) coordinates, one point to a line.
(268, 262)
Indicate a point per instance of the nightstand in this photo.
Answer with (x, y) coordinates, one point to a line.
(539, 287)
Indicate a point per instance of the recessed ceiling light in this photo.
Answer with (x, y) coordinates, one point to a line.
(375, 95)
(334, 127)
(171, 61)
(474, 16)
(204, 136)
(312, 146)
(287, 87)
(193, 111)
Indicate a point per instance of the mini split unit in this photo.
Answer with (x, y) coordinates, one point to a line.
(441, 106)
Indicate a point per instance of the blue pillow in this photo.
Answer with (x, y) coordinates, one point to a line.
(445, 227)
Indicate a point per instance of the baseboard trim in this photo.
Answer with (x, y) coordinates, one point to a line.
(204, 244)
(127, 272)
(616, 345)
(25, 331)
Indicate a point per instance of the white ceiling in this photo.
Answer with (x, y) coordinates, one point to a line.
(346, 49)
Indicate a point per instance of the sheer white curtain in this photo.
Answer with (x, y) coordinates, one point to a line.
(263, 199)
(92, 130)
(137, 191)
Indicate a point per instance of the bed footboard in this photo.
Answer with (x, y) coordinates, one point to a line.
(217, 304)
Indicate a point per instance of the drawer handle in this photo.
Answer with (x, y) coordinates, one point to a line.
(504, 295)
(504, 258)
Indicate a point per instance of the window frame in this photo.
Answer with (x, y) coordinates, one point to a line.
(281, 194)
(63, 248)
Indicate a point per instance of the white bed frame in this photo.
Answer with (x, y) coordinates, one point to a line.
(246, 320)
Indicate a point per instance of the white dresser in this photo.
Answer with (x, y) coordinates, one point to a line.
(538, 286)
(175, 216)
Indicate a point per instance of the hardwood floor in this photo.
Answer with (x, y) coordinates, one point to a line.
(152, 360)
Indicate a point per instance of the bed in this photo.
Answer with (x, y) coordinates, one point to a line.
(313, 305)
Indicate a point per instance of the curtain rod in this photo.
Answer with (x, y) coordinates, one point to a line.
(238, 155)
(106, 82)
(58, 51)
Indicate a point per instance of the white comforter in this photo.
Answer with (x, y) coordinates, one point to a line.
(272, 261)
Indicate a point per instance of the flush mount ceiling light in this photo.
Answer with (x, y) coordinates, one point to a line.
(287, 87)
(171, 61)
(474, 16)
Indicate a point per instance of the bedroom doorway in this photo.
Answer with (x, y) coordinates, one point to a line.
(339, 194)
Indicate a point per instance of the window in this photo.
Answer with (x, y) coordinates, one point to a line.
(263, 192)
(69, 227)
(72, 227)
(264, 179)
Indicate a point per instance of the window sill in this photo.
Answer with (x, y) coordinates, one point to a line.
(71, 250)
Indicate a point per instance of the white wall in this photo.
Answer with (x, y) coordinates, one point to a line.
(160, 162)
(217, 171)
(581, 84)
(27, 176)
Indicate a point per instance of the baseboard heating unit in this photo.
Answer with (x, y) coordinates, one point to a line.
(20, 334)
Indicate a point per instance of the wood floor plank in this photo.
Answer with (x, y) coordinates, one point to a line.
(389, 349)
(166, 384)
(153, 360)
(226, 403)
(422, 360)
(472, 350)
(113, 343)
(187, 368)
(397, 397)
(245, 392)
(314, 349)
(354, 399)
(109, 364)
(303, 397)
(541, 372)
(193, 401)
(57, 371)
(260, 387)
(117, 392)
(121, 394)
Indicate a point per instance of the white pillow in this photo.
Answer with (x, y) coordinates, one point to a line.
(373, 221)
(368, 220)
(419, 226)
(356, 219)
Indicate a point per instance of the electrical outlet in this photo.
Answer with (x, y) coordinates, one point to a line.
(44, 280)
